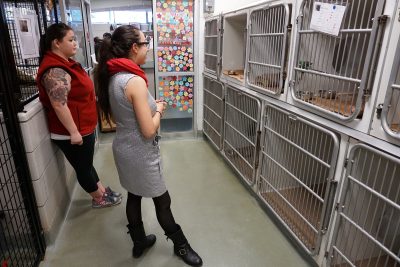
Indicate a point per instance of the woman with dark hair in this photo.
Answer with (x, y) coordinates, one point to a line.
(67, 94)
(123, 92)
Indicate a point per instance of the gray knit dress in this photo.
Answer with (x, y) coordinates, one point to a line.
(137, 159)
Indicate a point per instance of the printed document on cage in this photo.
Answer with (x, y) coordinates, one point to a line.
(27, 28)
(327, 18)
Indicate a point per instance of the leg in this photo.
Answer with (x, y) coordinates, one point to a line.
(174, 231)
(81, 159)
(135, 226)
(164, 213)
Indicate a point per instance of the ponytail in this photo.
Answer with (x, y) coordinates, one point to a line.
(102, 78)
(118, 46)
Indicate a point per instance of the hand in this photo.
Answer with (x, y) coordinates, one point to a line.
(161, 106)
(76, 139)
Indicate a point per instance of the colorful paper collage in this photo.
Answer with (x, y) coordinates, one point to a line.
(175, 35)
(177, 92)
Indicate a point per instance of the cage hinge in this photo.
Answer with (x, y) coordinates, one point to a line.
(289, 27)
(379, 109)
(258, 142)
(346, 162)
(326, 254)
(291, 84)
(382, 19)
(337, 205)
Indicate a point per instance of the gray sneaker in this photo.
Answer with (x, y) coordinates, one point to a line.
(112, 192)
(106, 201)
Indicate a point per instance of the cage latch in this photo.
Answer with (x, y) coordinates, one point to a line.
(382, 19)
(379, 111)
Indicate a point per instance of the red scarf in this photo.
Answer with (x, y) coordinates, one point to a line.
(116, 65)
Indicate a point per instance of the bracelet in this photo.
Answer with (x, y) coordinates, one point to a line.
(160, 113)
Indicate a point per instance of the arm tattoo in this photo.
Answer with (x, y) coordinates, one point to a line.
(58, 84)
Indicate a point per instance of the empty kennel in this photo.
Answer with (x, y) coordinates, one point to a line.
(212, 39)
(269, 38)
(391, 108)
(297, 168)
(234, 46)
(213, 110)
(367, 228)
(241, 132)
(335, 74)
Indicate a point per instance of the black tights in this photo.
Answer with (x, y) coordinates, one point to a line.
(163, 212)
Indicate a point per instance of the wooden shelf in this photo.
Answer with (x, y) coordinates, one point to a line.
(237, 74)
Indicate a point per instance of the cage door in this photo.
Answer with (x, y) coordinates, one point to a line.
(367, 228)
(298, 163)
(391, 108)
(213, 110)
(211, 42)
(335, 74)
(241, 133)
(268, 39)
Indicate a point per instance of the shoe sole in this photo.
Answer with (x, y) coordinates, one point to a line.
(109, 205)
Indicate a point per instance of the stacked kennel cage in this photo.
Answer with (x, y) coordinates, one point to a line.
(213, 89)
(333, 76)
(212, 46)
(269, 42)
(295, 150)
(386, 122)
(213, 110)
(241, 132)
(234, 46)
(297, 169)
(367, 225)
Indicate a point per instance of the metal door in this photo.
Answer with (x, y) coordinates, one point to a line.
(335, 74)
(213, 110)
(269, 37)
(212, 45)
(21, 237)
(241, 132)
(367, 228)
(391, 107)
(298, 163)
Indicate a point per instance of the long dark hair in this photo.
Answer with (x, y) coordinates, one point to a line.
(118, 46)
(54, 31)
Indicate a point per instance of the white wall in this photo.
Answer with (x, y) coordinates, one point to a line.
(221, 5)
(107, 4)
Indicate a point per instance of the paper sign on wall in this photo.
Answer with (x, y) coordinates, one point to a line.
(28, 32)
(327, 18)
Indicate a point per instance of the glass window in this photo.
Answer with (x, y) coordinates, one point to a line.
(75, 21)
(125, 17)
(101, 17)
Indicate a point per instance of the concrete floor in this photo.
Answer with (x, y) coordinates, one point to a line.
(222, 221)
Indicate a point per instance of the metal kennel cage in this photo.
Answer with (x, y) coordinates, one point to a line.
(212, 46)
(367, 227)
(296, 179)
(335, 75)
(213, 110)
(241, 132)
(269, 38)
(391, 107)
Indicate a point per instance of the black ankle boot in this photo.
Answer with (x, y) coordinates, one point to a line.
(140, 240)
(183, 249)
